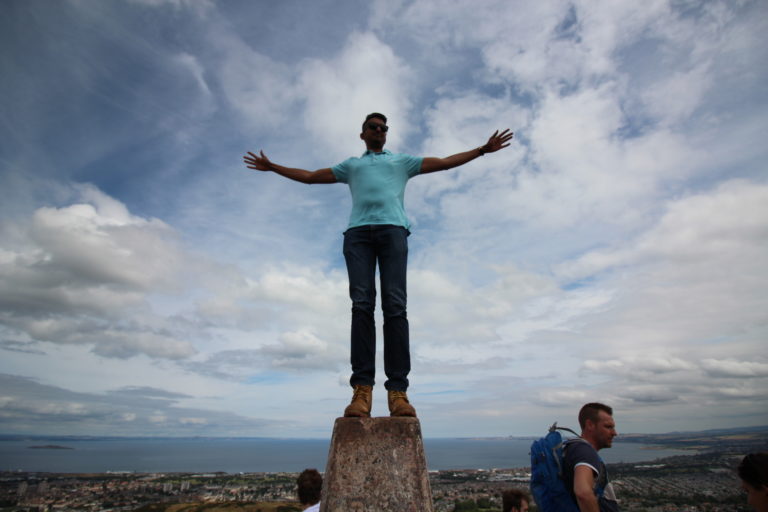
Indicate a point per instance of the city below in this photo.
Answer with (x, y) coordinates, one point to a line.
(703, 481)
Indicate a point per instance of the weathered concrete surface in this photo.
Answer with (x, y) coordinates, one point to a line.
(376, 465)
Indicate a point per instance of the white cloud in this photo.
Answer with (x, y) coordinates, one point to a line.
(158, 418)
(365, 77)
(259, 89)
(302, 349)
(459, 123)
(196, 69)
(734, 368)
(79, 274)
(193, 421)
(676, 97)
(562, 398)
(713, 237)
(587, 171)
(650, 366)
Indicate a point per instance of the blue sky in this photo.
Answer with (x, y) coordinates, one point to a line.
(151, 285)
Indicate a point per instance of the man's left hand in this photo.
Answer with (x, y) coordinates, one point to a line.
(497, 141)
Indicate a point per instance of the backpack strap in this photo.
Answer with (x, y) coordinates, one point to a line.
(555, 427)
(599, 490)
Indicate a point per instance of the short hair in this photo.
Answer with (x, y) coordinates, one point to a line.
(753, 469)
(377, 116)
(310, 484)
(513, 498)
(591, 412)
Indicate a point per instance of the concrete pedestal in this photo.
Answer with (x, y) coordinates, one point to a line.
(376, 465)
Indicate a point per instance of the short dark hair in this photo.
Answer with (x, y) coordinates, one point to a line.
(310, 484)
(753, 469)
(513, 498)
(377, 116)
(591, 412)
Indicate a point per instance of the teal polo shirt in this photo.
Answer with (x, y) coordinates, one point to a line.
(377, 183)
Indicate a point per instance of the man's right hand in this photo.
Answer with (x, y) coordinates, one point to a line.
(258, 162)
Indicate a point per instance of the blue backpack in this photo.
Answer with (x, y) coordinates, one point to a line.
(547, 484)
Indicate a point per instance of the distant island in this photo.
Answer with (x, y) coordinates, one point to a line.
(50, 447)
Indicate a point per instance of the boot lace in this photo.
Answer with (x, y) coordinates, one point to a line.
(359, 393)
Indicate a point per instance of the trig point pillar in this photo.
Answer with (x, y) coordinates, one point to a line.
(376, 465)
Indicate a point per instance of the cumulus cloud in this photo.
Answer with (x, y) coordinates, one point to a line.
(694, 273)
(192, 64)
(452, 312)
(367, 76)
(458, 123)
(75, 274)
(562, 397)
(29, 404)
(723, 229)
(651, 366)
(734, 368)
(676, 97)
(303, 349)
(260, 89)
(641, 317)
(649, 394)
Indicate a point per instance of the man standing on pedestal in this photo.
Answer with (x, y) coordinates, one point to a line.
(377, 234)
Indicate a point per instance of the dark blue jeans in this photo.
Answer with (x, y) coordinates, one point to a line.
(364, 247)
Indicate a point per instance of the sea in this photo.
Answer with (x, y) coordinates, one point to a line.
(268, 455)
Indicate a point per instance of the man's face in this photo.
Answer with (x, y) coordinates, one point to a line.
(603, 430)
(373, 133)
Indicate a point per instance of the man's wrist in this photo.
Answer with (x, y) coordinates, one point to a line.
(481, 150)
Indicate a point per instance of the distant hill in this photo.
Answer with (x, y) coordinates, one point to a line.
(736, 440)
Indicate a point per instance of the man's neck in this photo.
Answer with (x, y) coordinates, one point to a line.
(590, 441)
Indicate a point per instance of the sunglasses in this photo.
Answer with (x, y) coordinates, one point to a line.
(376, 126)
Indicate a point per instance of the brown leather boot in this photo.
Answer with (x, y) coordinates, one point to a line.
(360, 407)
(399, 404)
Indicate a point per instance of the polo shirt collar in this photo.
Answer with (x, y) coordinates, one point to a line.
(369, 152)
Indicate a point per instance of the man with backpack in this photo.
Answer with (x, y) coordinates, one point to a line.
(584, 471)
(569, 476)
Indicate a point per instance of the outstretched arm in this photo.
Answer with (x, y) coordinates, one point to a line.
(260, 162)
(495, 142)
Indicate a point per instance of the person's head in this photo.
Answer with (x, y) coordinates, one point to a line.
(515, 500)
(753, 471)
(597, 425)
(310, 483)
(374, 132)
